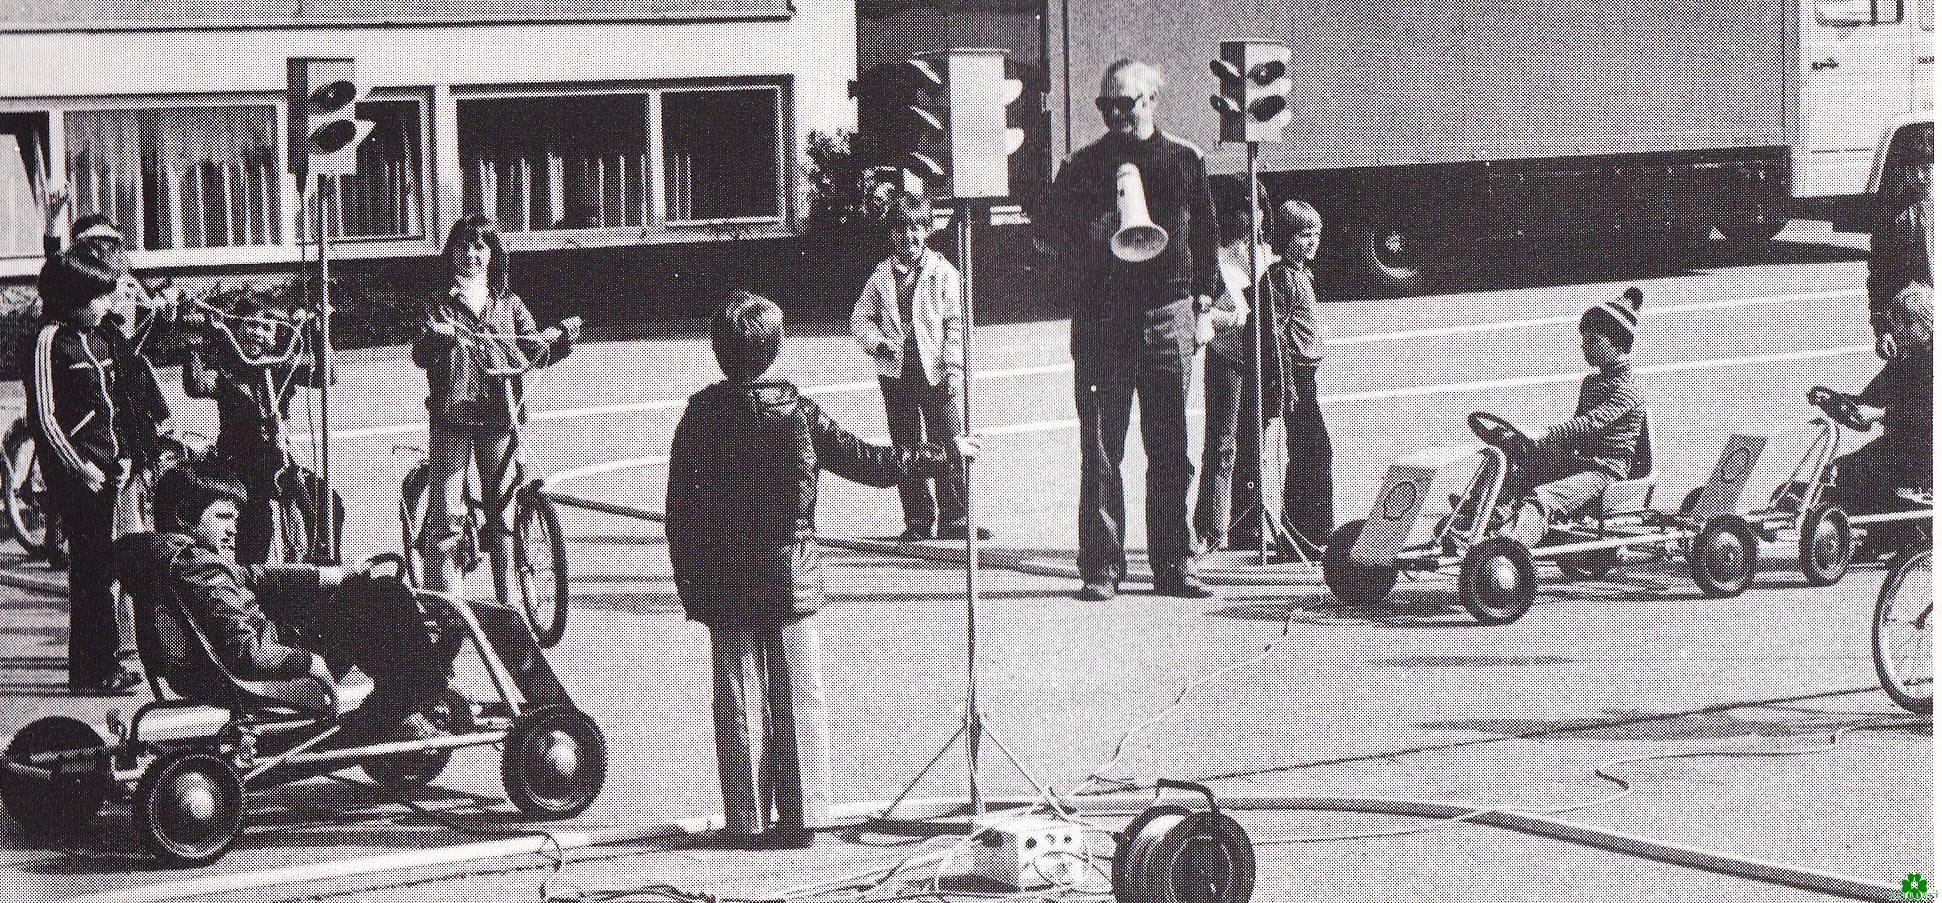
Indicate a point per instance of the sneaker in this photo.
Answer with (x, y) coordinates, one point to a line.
(958, 532)
(794, 837)
(1181, 583)
(914, 534)
(119, 682)
(1098, 590)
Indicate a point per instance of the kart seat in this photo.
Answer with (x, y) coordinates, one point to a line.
(1634, 493)
(179, 657)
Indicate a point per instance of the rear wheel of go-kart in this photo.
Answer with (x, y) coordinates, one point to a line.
(406, 771)
(1725, 555)
(1498, 581)
(555, 762)
(1352, 581)
(539, 555)
(52, 807)
(26, 490)
(1591, 565)
(189, 807)
(1826, 545)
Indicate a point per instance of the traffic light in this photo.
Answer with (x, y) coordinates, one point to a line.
(324, 129)
(944, 119)
(1254, 86)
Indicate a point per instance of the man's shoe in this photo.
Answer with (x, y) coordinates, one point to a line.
(785, 838)
(1181, 584)
(959, 533)
(914, 534)
(119, 682)
(1098, 590)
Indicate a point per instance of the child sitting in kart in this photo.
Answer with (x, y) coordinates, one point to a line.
(1875, 477)
(1566, 470)
(192, 556)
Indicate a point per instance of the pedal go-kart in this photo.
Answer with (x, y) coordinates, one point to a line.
(1802, 506)
(190, 795)
(1496, 574)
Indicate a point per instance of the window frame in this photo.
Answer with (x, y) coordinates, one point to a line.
(781, 159)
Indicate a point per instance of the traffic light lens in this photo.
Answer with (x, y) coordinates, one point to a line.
(1225, 105)
(1268, 107)
(1267, 73)
(333, 136)
(1225, 71)
(333, 96)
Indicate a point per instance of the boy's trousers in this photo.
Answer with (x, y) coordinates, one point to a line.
(94, 632)
(771, 726)
(918, 412)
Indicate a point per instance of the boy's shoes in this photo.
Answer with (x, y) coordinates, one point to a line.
(914, 534)
(119, 682)
(958, 532)
(1098, 590)
(1180, 583)
(783, 838)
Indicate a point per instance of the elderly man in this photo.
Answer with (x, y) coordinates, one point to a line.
(1133, 329)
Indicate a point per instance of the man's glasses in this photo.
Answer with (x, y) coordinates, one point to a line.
(1121, 105)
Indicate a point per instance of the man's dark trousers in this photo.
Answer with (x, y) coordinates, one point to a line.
(1149, 353)
(94, 636)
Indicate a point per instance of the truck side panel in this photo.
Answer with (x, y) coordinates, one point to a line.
(1396, 82)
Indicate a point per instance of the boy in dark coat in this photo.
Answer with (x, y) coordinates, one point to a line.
(741, 528)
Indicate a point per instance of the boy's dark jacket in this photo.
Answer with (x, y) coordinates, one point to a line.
(741, 509)
(106, 399)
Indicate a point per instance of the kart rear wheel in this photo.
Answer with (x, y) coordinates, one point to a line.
(539, 556)
(189, 807)
(1725, 555)
(1826, 545)
(59, 806)
(407, 771)
(1352, 581)
(1498, 581)
(1593, 565)
(555, 762)
(1902, 653)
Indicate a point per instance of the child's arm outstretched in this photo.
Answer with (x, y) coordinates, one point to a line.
(840, 452)
(866, 322)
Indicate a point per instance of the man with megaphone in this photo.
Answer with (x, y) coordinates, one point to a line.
(1132, 221)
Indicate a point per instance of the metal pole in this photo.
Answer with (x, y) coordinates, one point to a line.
(326, 543)
(1260, 354)
(973, 721)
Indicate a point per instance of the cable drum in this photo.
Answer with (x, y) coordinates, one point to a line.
(1170, 854)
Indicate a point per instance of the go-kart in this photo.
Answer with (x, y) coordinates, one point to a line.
(189, 793)
(1803, 506)
(1496, 574)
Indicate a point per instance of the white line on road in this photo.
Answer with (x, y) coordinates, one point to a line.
(671, 404)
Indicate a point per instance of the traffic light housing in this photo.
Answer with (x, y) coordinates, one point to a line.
(1254, 87)
(944, 119)
(324, 129)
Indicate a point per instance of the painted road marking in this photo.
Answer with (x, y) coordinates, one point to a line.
(1571, 319)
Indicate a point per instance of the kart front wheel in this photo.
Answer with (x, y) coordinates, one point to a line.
(556, 762)
(1498, 581)
(1352, 581)
(1826, 545)
(62, 804)
(1725, 555)
(189, 807)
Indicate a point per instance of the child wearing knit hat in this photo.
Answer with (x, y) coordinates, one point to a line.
(1577, 459)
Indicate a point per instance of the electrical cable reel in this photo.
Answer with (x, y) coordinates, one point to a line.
(1173, 854)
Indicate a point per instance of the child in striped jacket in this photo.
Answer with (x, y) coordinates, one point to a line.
(1578, 458)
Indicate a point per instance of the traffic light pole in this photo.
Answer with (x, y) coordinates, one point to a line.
(1263, 520)
(324, 543)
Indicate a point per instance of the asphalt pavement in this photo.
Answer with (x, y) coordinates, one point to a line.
(1754, 723)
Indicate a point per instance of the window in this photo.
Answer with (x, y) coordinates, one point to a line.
(538, 163)
(722, 158)
(23, 173)
(180, 177)
(386, 198)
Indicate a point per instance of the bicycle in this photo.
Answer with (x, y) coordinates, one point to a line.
(30, 511)
(539, 547)
(1901, 633)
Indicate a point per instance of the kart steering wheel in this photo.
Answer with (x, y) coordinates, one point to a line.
(1841, 408)
(1498, 433)
(374, 568)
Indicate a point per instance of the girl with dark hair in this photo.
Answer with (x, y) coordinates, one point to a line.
(478, 337)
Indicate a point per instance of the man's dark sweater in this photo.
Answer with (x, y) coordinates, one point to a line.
(1179, 201)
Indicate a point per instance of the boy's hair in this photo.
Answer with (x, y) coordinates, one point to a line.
(747, 335)
(478, 225)
(79, 275)
(1617, 319)
(186, 490)
(97, 227)
(906, 210)
(1291, 217)
(1912, 306)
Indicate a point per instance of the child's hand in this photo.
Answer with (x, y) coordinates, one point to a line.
(93, 476)
(320, 670)
(968, 446)
(442, 328)
(57, 197)
(571, 327)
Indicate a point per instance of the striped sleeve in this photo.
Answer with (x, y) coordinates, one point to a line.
(1601, 402)
(50, 425)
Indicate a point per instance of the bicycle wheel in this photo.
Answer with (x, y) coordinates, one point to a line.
(1901, 634)
(411, 518)
(26, 490)
(540, 558)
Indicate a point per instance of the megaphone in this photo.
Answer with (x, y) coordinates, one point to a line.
(1138, 239)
